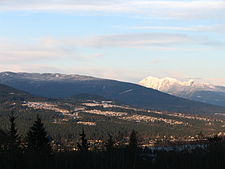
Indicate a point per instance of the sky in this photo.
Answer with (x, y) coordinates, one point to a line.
(118, 39)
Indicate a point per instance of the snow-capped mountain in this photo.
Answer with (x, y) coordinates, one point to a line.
(172, 86)
(56, 85)
(191, 89)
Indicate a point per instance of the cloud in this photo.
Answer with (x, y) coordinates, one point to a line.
(45, 49)
(155, 41)
(19, 51)
(41, 68)
(183, 9)
(194, 9)
(73, 49)
(62, 5)
(136, 40)
(156, 61)
(218, 28)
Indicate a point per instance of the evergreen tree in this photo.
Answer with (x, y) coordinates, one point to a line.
(84, 145)
(109, 144)
(14, 138)
(133, 145)
(3, 140)
(133, 141)
(37, 138)
(120, 139)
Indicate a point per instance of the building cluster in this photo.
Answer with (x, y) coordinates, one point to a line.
(139, 118)
(106, 113)
(45, 106)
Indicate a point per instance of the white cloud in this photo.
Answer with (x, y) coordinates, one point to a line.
(160, 8)
(136, 40)
(42, 68)
(183, 9)
(41, 50)
(217, 28)
(71, 49)
(155, 41)
(18, 51)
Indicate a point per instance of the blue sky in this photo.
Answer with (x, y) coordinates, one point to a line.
(119, 39)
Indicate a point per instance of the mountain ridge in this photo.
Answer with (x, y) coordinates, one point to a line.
(124, 92)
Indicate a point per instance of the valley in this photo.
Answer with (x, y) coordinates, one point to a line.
(102, 117)
(98, 116)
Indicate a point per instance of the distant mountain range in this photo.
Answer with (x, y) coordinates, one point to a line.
(65, 86)
(191, 89)
(101, 106)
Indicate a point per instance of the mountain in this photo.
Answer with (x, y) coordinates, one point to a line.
(191, 89)
(65, 86)
(98, 116)
(9, 93)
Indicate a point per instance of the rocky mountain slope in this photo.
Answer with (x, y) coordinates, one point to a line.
(191, 89)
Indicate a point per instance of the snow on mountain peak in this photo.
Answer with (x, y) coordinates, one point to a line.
(164, 83)
(194, 89)
(172, 86)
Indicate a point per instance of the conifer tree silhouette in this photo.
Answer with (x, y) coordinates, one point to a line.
(3, 140)
(37, 138)
(110, 144)
(133, 142)
(14, 138)
(133, 145)
(84, 145)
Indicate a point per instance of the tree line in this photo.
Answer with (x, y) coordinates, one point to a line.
(36, 152)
